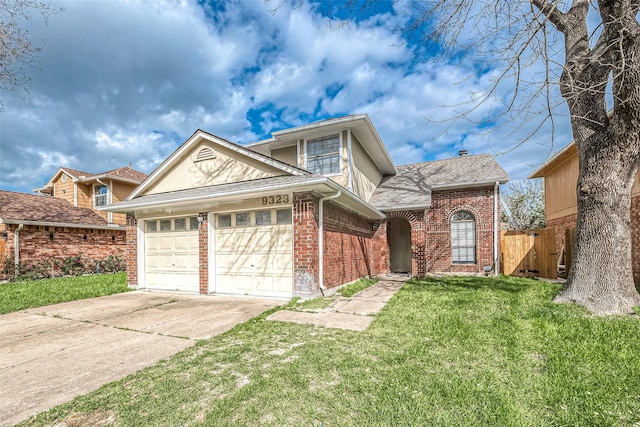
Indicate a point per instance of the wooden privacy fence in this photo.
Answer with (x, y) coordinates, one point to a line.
(529, 253)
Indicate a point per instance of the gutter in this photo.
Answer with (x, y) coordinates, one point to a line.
(321, 239)
(16, 249)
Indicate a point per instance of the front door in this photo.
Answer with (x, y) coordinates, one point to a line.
(399, 238)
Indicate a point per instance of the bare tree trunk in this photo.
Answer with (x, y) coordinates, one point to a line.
(601, 276)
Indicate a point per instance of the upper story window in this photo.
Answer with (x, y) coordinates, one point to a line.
(323, 155)
(100, 193)
(463, 238)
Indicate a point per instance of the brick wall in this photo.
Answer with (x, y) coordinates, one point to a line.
(380, 261)
(347, 245)
(203, 253)
(38, 242)
(479, 202)
(132, 251)
(305, 243)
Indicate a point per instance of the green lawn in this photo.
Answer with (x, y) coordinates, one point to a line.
(444, 352)
(16, 296)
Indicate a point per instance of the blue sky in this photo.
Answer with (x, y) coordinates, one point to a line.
(128, 81)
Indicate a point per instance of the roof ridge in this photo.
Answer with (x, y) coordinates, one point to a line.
(447, 159)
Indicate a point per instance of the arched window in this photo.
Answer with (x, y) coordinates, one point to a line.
(463, 238)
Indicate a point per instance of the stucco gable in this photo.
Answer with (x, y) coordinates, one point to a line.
(205, 160)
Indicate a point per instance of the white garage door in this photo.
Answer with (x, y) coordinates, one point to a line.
(254, 253)
(171, 254)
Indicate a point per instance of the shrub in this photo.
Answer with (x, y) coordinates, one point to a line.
(73, 265)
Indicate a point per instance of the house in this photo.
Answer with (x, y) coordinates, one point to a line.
(309, 209)
(89, 190)
(35, 228)
(560, 175)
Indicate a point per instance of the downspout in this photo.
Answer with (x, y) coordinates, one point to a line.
(16, 249)
(496, 255)
(321, 239)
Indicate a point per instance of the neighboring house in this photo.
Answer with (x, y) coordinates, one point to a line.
(560, 175)
(311, 208)
(33, 228)
(89, 190)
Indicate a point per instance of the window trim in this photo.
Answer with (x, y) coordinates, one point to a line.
(339, 152)
(106, 195)
(471, 221)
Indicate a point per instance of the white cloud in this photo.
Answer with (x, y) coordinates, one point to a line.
(128, 81)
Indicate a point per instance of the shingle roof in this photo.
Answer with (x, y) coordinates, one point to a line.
(28, 207)
(412, 186)
(408, 189)
(76, 173)
(126, 172)
(462, 171)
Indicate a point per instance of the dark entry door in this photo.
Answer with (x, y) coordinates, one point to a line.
(399, 238)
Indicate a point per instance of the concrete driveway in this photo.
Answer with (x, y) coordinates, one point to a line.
(49, 355)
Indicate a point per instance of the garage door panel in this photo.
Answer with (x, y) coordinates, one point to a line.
(227, 263)
(255, 260)
(224, 237)
(186, 261)
(172, 261)
(164, 243)
(234, 283)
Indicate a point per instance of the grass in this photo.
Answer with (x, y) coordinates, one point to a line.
(353, 288)
(16, 296)
(317, 304)
(454, 351)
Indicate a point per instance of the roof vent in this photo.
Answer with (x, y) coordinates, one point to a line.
(463, 153)
(205, 153)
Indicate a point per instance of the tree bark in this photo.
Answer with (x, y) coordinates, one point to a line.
(601, 275)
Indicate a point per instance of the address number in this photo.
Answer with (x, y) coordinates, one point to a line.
(275, 200)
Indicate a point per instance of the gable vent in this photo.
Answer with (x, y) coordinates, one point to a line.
(205, 154)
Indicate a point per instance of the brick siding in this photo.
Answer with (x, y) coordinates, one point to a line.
(305, 244)
(132, 251)
(44, 242)
(347, 245)
(477, 201)
(203, 253)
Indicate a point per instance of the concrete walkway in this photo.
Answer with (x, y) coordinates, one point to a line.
(49, 355)
(355, 313)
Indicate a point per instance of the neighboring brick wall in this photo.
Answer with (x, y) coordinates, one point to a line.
(203, 253)
(479, 202)
(132, 251)
(38, 242)
(347, 245)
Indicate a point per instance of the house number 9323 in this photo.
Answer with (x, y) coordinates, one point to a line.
(274, 200)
